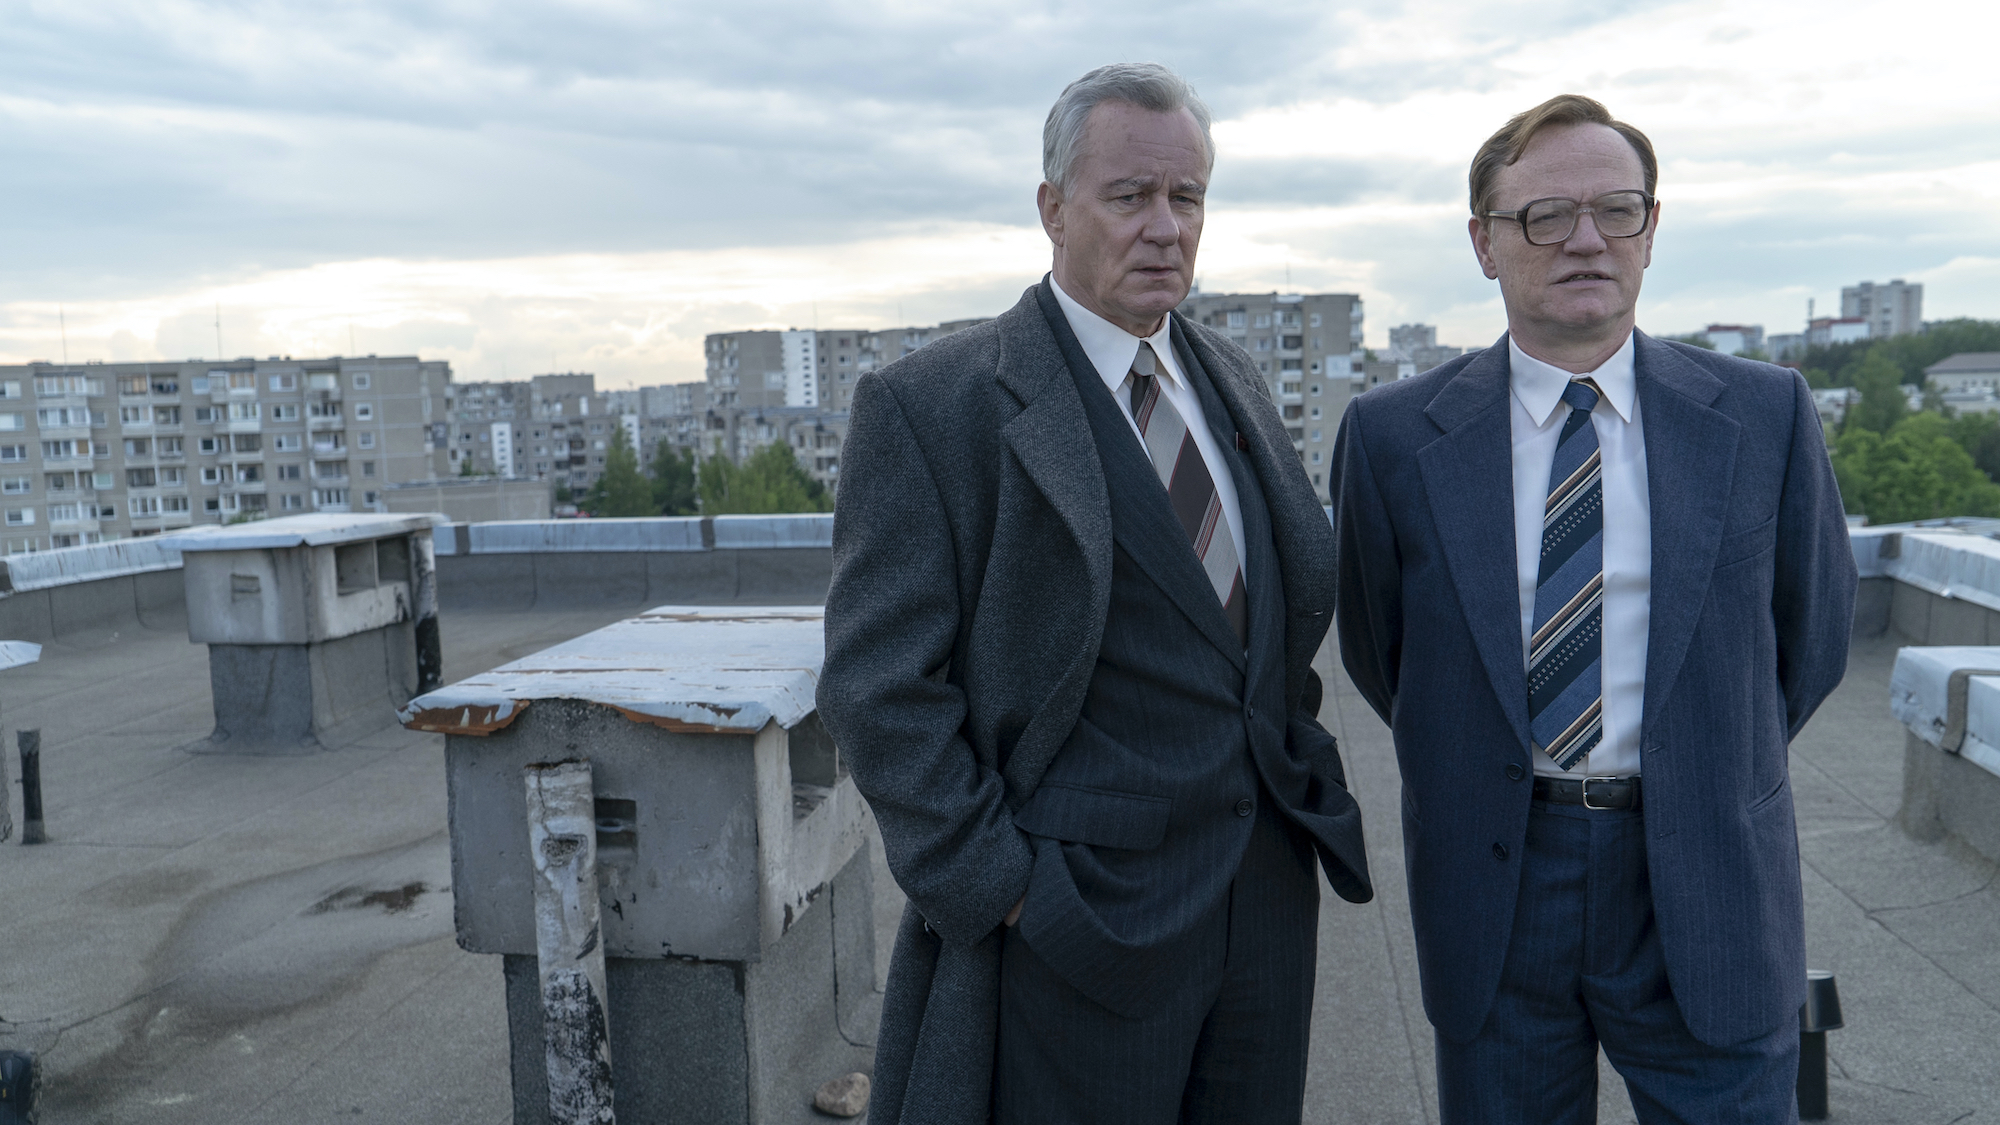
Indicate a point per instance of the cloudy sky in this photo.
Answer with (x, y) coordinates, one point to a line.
(594, 186)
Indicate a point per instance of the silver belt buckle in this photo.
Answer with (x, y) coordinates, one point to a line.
(1586, 792)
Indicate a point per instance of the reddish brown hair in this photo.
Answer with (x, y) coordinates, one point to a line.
(1505, 147)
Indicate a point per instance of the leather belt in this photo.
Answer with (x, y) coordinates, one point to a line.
(1590, 792)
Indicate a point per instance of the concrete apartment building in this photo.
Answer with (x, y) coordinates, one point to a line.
(549, 427)
(1418, 343)
(1895, 309)
(105, 451)
(1307, 347)
(1735, 339)
(794, 386)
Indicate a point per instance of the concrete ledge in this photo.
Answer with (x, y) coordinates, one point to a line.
(593, 536)
(1948, 699)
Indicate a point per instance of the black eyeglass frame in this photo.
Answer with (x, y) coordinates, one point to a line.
(1521, 216)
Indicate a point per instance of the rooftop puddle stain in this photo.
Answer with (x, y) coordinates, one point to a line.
(394, 901)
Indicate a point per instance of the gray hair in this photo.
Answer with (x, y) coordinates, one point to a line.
(1146, 85)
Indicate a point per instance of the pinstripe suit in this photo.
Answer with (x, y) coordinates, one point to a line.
(1751, 602)
(1040, 695)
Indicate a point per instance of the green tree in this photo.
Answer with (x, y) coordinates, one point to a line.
(465, 467)
(1911, 353)
(1916, 471)
(620, 491)
(1882, 402)
(770, 482)
(675, 492)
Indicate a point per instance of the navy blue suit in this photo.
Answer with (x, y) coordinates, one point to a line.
(1752, 598)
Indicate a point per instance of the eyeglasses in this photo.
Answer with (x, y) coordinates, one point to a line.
(1618, 214)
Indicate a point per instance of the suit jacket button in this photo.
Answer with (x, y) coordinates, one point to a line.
(1500, 851)
(1514, 771)
(1244, 807)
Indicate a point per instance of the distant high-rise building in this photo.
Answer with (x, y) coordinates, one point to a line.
(1735, 339)
(1417, 345)
(115, 450)
(1894, 309)
(1824, 330)
(1308, 349)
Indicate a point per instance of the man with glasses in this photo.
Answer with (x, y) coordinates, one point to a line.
(1595, 582)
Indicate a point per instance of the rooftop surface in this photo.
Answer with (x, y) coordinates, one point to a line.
(227, 940)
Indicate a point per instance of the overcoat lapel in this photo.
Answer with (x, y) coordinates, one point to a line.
(1052, 441)
(1143, 522)
(1690, 465)
(1468, 474)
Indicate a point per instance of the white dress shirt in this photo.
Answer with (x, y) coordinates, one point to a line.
(1537, 415)
(1111, 350)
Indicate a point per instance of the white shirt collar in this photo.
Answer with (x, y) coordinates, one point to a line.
(1539, 386)
(1111, 348)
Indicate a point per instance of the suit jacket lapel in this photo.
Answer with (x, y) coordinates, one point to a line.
(1142, 520)
(1468, 474)
(1690, 463)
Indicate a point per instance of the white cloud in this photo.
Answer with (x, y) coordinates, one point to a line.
(596, 186)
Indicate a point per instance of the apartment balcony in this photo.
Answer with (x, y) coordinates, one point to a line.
(250, 486)
(322, 423)
(339, 481)
(243, 426)
(74, 433)
(176, 455)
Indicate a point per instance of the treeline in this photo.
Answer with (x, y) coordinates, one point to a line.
(1895, 464)
(769, 482)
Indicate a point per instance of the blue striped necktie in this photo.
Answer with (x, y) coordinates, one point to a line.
(1565, 655)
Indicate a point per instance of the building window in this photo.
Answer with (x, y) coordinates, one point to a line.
(205, 414)
(136, 447)
(100, 482)
(135, 416)
(140, 478)
(244, 412)
(368, 470)
(290, 472)
(211, 505)
(65, 513)
(1315, 323)
(168, 447)
(1263, 320)
(364, 411)
(173, 503)
(247, 443)
(206, 445)
(20, 517)
(173, 475)
(292, 502)
(143, 506)
(1316, 456)
(243, 381)
(15, 486)
(367, 439)
(287, 443)
(166, 415)
(285, 412)
(249, 474)
(368, 497)
(284, 383)
(10, 389)
(1315, 435)
(211, 475)
(1315, 388)
(1315, 413)
(362, 380)
(13, 453)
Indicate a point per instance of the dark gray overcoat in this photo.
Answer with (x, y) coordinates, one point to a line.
(972, 568)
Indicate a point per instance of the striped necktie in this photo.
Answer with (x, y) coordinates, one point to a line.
(1190, 489)
(1565, 654)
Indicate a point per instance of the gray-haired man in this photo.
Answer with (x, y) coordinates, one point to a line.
(1079, 578)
